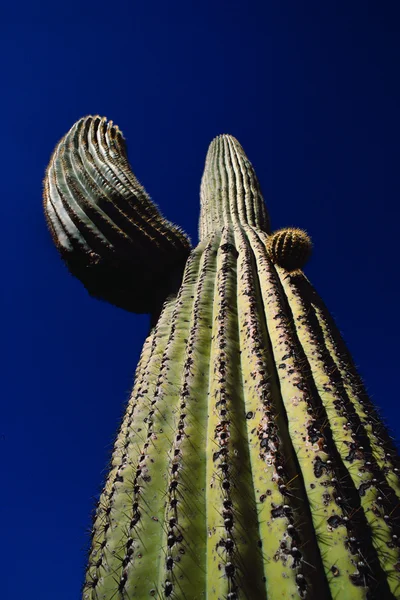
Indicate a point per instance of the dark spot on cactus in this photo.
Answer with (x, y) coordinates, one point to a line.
(226, 484)
(334, 521)
(301, 582)
(171, 539)
(228, 523)
(262, 497)
(326, 498)
(249, 415)
(358, 579)
(352, 544)
(122, 583)
(264, 443)
(168, 588)
(93, 583)
(125, 561)
(335, 571)
(228, 544)
(319, 467)
(277, 512)
(169, 563)
(230, 569)
(313, 433)
(364, 487)
(135, 519)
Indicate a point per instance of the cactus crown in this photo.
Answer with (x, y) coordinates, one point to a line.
(230, 193)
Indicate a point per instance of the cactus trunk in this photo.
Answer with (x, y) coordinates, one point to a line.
(250, 463)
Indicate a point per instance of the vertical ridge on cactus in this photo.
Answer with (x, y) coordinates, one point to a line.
(250, 463)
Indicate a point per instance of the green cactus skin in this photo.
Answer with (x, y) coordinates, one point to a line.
(250, 463)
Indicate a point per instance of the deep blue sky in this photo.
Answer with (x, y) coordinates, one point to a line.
(310, 89)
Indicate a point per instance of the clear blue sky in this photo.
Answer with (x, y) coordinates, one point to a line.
(310, 89)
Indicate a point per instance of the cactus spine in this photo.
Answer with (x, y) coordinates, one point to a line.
(250, 462)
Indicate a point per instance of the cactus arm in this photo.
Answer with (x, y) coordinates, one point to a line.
(377, 499)
(107, 229)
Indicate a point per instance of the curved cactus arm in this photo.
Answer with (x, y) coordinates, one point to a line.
(105, 226)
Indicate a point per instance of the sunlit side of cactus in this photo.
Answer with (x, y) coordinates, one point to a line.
(250, 462)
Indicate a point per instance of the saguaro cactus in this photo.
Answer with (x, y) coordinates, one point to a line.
(250, 463)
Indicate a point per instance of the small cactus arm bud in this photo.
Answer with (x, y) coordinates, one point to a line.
(108, 231)
(289, 248)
